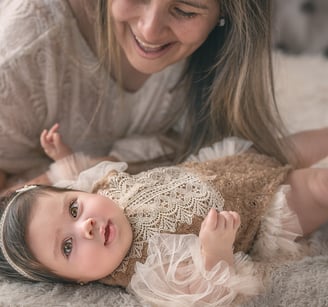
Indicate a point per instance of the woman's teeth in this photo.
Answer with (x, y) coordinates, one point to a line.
(148, 47)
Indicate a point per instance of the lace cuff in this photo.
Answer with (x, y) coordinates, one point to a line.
(280, 227)
(174, 275)
(75, 171)
(69, 167)
(227, 147)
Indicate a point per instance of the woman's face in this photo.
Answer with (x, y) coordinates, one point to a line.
(157, 33)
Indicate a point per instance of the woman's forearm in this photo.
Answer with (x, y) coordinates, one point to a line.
(311, 146)
(41, 179)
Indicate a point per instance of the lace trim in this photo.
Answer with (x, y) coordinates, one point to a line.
(159, 200)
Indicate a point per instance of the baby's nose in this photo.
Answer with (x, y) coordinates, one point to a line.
(88, 228)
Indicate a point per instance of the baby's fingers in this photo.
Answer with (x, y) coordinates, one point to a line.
(57, 139)
(43, 138)
(210, 222)
(226, 220)
(54, 128)
(48, 135)
(236, 218)
(229, 220)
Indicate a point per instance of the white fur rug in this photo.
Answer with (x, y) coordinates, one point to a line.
(302, 93)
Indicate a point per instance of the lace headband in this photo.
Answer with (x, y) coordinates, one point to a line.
(2, 244)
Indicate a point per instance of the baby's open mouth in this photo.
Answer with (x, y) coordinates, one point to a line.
(107, 232)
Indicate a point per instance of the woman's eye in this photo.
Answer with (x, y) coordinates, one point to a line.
(67, 247)
(183, 13)
(73, 208)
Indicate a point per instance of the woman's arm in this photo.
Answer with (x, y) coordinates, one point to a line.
(311, 146)
(41, 179)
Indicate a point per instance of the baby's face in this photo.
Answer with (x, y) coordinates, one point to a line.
(79, 235)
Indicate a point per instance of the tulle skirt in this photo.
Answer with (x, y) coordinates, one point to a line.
(174, 272)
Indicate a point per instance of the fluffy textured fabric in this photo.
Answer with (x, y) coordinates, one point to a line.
(301, 283)
(302, 93)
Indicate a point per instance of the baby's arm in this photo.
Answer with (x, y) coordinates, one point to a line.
(52, 144)
(174, 270)
(217, 235)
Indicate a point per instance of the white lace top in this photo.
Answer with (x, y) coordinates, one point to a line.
(49, 74)
(166, 206)
(159, 200)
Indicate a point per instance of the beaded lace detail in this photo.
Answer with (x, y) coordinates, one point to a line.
(159, 200)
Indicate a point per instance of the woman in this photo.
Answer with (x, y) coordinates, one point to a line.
(126, 78)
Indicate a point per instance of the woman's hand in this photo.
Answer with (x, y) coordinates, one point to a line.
(217, 235)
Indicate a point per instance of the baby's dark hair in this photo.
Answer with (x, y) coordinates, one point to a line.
(16, 258)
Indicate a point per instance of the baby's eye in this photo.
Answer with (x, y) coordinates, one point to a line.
(74, 208)
(67, 247)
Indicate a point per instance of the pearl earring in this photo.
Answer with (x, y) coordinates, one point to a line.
(221, 22)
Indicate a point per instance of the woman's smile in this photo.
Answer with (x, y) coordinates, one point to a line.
(149, 47)
(150, 50)
(155, 34)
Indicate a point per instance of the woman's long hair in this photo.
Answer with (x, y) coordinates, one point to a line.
(229, 80)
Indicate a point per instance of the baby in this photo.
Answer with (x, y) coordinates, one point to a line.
(172, 235)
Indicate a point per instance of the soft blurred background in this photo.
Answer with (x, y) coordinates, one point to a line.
(300, 41)
(301, 26)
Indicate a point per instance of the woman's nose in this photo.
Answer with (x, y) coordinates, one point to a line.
(152, 23)
(87, 228)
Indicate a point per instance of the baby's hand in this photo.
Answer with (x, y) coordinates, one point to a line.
(217, 235)
(52, 144)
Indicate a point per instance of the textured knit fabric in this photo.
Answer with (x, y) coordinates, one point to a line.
(247, 182)
(49, 74)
